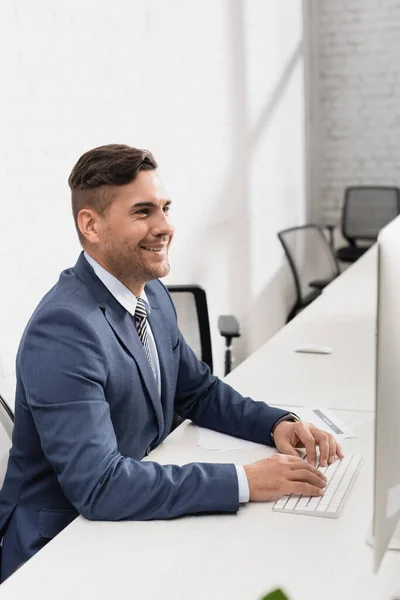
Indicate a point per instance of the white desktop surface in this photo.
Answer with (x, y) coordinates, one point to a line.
(243, 556)
(343, 318)
(232, 557)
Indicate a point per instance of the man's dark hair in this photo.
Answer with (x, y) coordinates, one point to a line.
(99, 171)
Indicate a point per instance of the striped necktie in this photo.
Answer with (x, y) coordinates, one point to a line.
(143, 329)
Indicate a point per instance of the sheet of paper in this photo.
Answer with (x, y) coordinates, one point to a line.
(325, 419)
(213, 440)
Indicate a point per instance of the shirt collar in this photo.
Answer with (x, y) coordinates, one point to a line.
(120, 292)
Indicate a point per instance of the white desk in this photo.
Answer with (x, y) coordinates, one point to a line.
(242, 556)
(344, 318)
(217, 557)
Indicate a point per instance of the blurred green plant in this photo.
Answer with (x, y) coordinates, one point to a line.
(275, 595)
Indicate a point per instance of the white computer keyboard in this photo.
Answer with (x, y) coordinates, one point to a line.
(340, 478)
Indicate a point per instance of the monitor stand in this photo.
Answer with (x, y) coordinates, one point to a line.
(394, 542)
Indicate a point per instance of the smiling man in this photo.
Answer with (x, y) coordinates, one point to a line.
(101, 369)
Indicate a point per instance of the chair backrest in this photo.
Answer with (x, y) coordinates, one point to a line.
(311, 260)
(6, 427)
(367, 209)
(191, 306)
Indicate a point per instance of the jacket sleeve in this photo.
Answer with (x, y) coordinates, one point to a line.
(64, 374)
(209, 402)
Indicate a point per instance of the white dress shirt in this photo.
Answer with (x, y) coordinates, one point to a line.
(128, 300)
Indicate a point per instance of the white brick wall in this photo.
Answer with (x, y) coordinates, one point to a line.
(358, 95)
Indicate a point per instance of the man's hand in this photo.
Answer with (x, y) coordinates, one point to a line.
(280, 475)
(288, 436)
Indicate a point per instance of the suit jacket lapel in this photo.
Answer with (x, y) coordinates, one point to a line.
(164, 347)
(125, 330)
(122, 324)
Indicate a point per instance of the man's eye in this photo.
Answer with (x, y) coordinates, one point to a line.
(143, 211)
(167, 209)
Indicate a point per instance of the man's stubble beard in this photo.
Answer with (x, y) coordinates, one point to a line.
(127, 267)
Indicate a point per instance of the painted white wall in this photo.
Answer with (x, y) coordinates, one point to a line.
(214, 88)
(357, 85)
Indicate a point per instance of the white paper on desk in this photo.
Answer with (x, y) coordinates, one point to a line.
(213, 440)
(325, 419)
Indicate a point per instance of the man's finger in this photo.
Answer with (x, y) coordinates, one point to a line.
(306, 489)
(303, 465)
(332, 450)
(306, 476)
(305, 436)
(298, 460)
(287, 448)
(339, 451)
(322, 440)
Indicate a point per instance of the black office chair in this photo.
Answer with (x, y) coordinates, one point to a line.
(191, 307)
(366, 210)
(312, 262)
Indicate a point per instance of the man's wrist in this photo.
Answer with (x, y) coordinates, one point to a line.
(288, 417)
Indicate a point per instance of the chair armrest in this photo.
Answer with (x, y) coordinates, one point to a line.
(228, 326)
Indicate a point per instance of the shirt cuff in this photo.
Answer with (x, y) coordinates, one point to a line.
(244, 492)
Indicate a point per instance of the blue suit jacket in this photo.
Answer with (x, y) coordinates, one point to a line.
(87, 410)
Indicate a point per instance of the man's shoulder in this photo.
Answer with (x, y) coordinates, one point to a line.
(70, 299)
(69, 292)
(67, 310)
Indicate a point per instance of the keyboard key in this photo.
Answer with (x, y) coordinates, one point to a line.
(291, 503)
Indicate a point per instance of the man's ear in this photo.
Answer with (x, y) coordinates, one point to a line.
(89, 224)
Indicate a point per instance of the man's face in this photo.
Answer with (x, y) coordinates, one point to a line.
(134, 233)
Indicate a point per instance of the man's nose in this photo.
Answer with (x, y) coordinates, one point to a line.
(162, 225)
